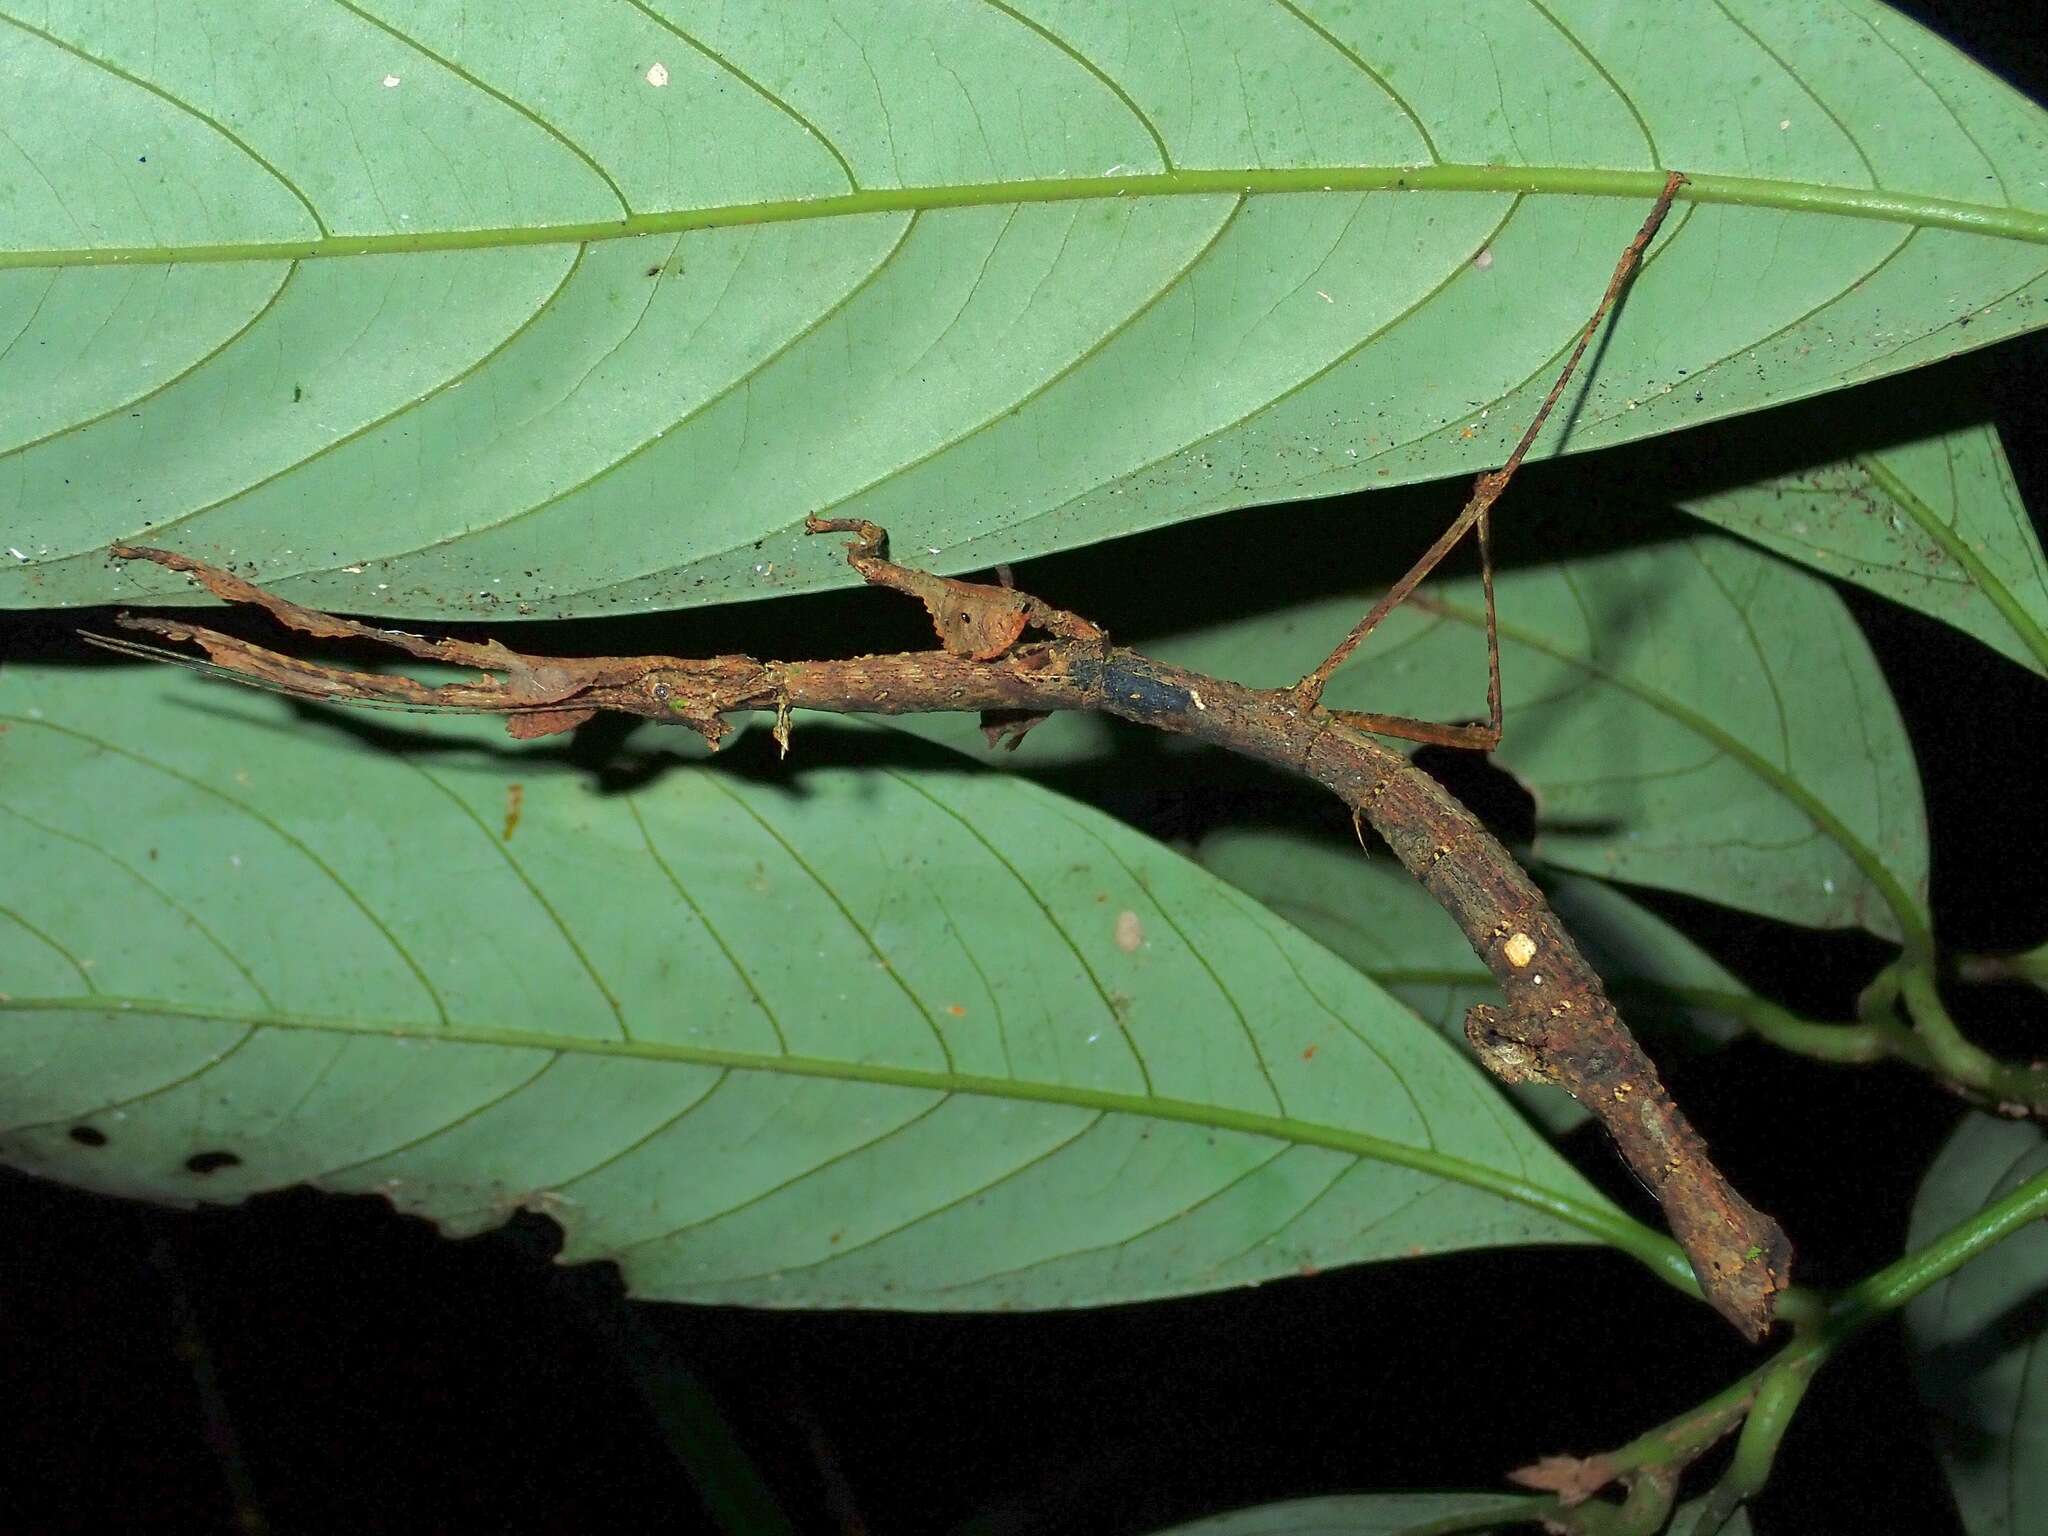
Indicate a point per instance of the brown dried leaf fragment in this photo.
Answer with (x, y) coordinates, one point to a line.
(973, 620)
(1574, 1479)
(980, 623)
(1007, 728)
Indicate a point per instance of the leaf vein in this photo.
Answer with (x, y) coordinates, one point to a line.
(691, 40)
(832, 895)
(277, 829)
(227, 133)
(475, 82)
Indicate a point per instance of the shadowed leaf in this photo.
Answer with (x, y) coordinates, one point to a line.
(1982, 1334)
(1937, 525)
(837, 1036)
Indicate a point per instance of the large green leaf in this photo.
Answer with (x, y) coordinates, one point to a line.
(1694, 715)
(1982, 1359)
(849, 1036)
(1374, 914)
(1936, 524)
(431, 308)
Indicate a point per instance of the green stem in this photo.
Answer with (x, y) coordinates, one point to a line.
(1845, 1044)
(1777, 1399)
(1878, 1002)
(1765, 1400)
(1899, 1282)
(1955, 1057)
(2030, 966)
(1769, 1395)
(1934, 1045)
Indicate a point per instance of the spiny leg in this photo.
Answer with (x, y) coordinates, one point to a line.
(1486, 490)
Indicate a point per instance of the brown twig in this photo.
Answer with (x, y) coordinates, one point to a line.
(1557, 1026)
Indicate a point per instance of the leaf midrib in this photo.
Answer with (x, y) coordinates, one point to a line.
(1872, 203)
(1662, 1256)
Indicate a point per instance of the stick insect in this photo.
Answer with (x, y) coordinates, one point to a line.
(1559, 1026)
(305, 680)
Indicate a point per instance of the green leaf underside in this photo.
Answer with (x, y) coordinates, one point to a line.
(1398, 1514)
(1373, 914)
(551, 311)
(1936, 524)
(845, 1037)
(1695, 715)
(1982, 1359)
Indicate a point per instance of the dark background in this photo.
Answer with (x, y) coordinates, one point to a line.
(350, 1370)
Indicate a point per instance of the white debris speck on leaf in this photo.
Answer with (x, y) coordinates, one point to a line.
(353, 570)
(17, 554)
(1484, 260)
(1784, 123)
(1095, 1037)
(657, 74)
(1828, 885)
(1324, 297)
(234, 861)
(1130, 933)
(391, 82)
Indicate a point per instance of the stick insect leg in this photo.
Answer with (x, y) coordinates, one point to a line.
(1486, 490)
